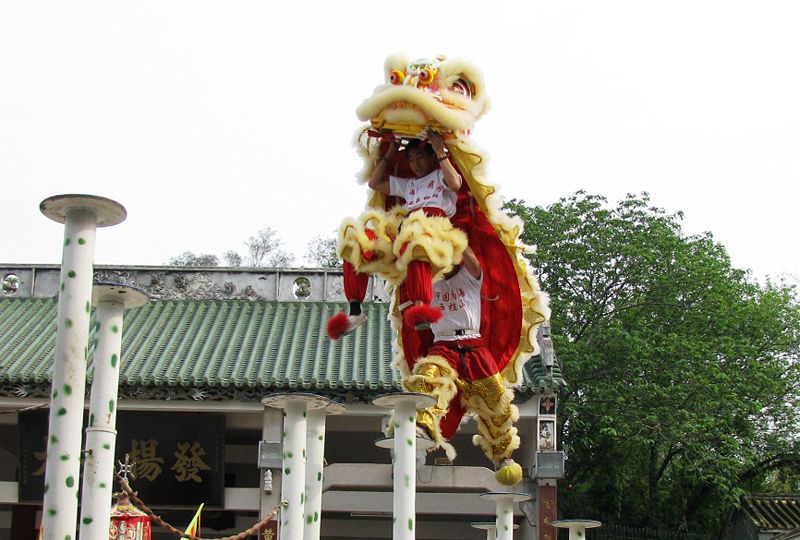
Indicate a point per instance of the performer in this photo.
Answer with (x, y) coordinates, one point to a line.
(430, 197)
(473, 355)
(460, 371)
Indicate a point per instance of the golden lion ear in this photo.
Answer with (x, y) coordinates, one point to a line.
(441, 58)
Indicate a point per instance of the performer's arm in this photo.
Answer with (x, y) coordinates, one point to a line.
(379, 181)
(451, 177)
(471, 263)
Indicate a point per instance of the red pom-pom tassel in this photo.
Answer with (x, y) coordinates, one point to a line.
(337, 325)
(421, 315)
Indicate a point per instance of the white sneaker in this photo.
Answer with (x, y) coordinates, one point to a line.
(354, 321)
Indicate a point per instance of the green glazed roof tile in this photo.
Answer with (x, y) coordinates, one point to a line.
(218, 344)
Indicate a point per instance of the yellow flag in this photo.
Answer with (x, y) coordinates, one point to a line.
(194, 525)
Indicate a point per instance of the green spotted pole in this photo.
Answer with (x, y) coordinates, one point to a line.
(110, 300)
(81, 214)
(404, 469)
(504, 520)
(504, 524)
(294, 469)
(315, 448)
(297, 407)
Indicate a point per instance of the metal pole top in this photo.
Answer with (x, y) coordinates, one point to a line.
(513, 496)
(390, 401)
(575, 524)
(106, 211)
(118, 293)
(280, 400)
(487, 525)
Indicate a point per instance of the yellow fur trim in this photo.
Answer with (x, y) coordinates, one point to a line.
(432, 239)
(491, 401)
(500, 448)
(433, 375)
(353, 241)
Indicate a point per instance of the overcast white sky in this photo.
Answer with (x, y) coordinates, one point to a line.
(209, 120)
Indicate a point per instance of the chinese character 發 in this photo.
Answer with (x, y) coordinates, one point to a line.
(190, 462)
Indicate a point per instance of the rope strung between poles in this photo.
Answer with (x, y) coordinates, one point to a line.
(126, 488)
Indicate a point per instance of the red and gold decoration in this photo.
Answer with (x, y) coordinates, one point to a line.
(128, 522)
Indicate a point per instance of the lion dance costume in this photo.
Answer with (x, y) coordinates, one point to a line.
(474, 375)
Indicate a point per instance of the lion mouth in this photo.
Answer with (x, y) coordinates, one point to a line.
(410, 119)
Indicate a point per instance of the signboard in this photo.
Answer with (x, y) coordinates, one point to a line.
(179, 458)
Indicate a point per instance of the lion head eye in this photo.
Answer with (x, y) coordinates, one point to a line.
(396, 77)
(462, 86)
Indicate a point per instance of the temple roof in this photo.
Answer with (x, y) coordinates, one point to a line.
(225, 349)
(773, 512)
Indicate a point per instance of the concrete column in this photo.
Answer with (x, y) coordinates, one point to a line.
(110, 299)
(81, 215)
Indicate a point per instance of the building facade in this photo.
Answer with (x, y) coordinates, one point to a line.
(196, 363)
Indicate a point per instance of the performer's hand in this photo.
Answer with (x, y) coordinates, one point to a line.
(387, 135)
(391, 150)
(437, 141)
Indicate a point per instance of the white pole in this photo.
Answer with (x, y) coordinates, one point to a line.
(504, 520)
(504, 524)
(315, 448)
(98, 468)
(294, 464)
(489, 526)
(404, 443)
(81, 216)
(405, 470)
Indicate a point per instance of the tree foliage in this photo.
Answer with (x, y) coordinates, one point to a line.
(232, 258)
(189, 258)
(265, 248)
(682, 373)
(322, 252)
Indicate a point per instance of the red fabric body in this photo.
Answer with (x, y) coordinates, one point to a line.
(477, 364)
(501, 305)
(418, 281)
(355, 283)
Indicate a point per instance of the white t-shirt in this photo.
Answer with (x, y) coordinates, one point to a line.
(459, 298)
(429, 191)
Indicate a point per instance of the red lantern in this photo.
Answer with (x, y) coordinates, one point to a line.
(128, 522)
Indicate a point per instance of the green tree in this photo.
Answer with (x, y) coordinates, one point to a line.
(189, 258)
(266, 248)
(232, 258)
(682, 371)
(322, 252)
